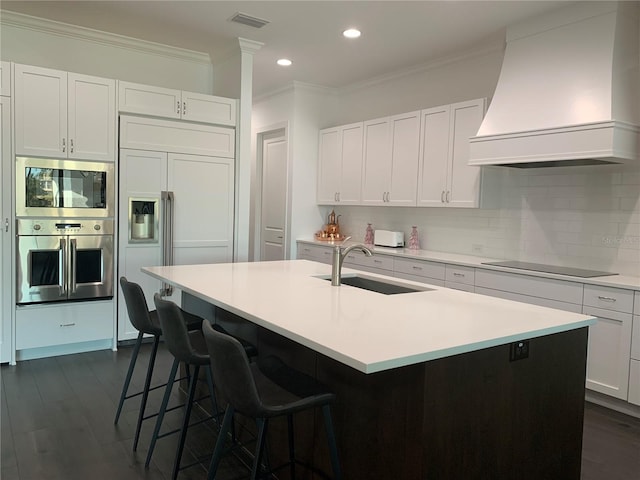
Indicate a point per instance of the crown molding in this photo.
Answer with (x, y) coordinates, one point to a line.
(292, 87)
(249, 46)
(76, 32)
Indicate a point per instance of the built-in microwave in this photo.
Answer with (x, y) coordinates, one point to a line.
(47, 187)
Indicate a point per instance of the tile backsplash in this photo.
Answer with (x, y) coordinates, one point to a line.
(585, 217)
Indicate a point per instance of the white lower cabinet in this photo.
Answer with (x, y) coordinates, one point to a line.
(634, 366)
(381, 264)
(419, 271)
(317, 253)
(460, 278)
(7, 225)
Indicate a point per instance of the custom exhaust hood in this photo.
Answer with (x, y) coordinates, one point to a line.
(568, 91)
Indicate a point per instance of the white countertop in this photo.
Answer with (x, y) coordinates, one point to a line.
(368, 331)
(618, 281)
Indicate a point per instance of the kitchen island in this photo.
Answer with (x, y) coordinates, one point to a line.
(431, 384)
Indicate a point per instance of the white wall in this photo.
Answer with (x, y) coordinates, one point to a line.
(32, 41)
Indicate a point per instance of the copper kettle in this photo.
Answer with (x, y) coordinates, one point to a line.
(333, 229)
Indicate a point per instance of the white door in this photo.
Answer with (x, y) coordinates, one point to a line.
(274, 197)
(329, 161)
(143, 175)
(6, 235)
(405, 146)
(350, 173)
(434, 154)
(92, 118)
(376, 164)
(41, 112)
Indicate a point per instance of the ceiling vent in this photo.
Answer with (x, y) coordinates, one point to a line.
(245, 19)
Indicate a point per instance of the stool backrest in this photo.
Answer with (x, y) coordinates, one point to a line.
(231, 371)
(174, 329)
(137, 307)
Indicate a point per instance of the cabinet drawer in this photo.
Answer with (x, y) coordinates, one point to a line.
(459, 274)
(548, 288)
(608, 298)
(634, 382)
(431, 281)
(543, 302)
(314, 252)
(419, 268)
(635, 338)
(636, 304)
(382, 262)
(465, 287)
(49, 325)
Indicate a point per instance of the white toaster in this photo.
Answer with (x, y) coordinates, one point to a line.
(385, 238)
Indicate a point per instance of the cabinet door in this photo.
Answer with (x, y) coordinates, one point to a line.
(6, 234)
(434, 154)
(350, 173)
(5, 79)
(198, 107)
(609, 352)
(41, 112)
(376, 164)
(92, 118)
(329, 165)
(149, 100)
(405, 146)
(203, 208)
(463, 186)
(143, 175)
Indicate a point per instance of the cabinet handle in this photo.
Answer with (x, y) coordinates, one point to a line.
(335, 197)
(6, 224)
(456, 274)
(448, 194)
(71, 145)
(442, 197)
(184, 108)
(338, 194)
(606, 299)
(64, 145)
(415, 267)
(67, 324)
(178, 107)
(377, 261)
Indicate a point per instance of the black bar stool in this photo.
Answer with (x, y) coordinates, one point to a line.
(189, 348)
(264, 392)
(146, 322)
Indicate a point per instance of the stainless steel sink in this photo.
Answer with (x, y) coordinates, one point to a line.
(377, 285)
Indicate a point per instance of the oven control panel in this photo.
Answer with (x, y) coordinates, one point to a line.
(35, 226)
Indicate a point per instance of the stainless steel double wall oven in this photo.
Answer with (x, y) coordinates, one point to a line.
(65, 225)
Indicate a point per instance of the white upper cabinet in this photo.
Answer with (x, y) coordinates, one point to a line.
(390, 165)
(340, 165)
(445, 178)
(5, 79)
(64, 115)
(170, 103)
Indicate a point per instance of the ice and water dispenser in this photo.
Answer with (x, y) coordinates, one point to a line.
(143, 220)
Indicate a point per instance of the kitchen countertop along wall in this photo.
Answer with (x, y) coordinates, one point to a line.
(618, 281)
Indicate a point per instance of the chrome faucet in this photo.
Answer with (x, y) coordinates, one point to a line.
(338, 258)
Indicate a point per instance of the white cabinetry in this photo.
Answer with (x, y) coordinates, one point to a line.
(381, 264)
(6, 234)
(460, 278)
(444, 178)
(317, 253)
(634, 366)
(419, 271)
(64, 115)
(5, 79)
(340, 165)
(170, 103)
(391, 147)
(609, 339)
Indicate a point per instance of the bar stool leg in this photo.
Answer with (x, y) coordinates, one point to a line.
(227, 421)
(185, 421)
(262, 423)
(132, 364)
(145, 391)
(331, 437)
(292, 452)
(163, 409)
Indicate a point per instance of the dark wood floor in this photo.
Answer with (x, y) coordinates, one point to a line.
(57, 424)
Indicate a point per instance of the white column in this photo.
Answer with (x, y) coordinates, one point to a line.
(243, 150)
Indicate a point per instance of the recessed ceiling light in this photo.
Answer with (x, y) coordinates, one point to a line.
(351, 33)
(284, 62)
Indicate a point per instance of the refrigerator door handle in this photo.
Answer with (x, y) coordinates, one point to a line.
(167, 236)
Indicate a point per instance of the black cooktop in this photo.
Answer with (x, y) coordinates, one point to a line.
(539, 267)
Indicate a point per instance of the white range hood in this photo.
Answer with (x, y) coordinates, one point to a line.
(567, 92)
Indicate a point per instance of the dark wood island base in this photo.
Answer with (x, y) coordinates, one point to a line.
(477, 415)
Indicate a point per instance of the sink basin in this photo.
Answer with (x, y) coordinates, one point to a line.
(379, 286)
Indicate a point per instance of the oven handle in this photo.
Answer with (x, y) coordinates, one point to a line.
(63, 275)
(73, 246)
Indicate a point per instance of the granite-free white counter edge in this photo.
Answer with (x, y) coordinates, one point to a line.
(618, 281)
(368, 331)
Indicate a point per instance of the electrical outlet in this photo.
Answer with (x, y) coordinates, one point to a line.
(476, 248)
(519, 350)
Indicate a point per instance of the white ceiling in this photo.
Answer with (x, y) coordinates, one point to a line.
(396, 35)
